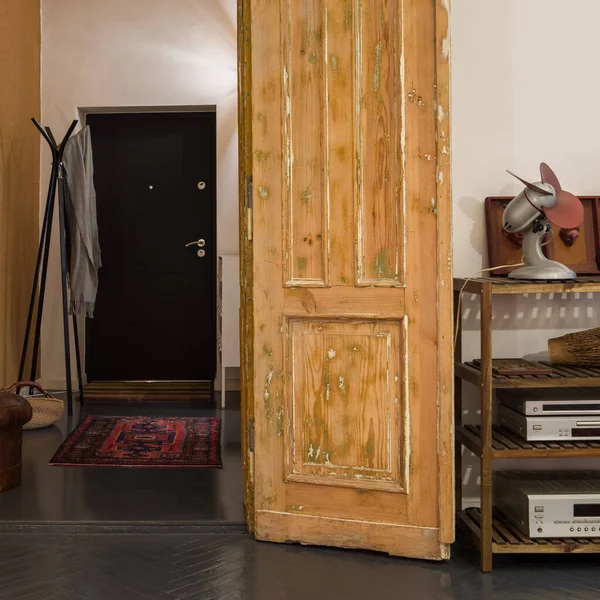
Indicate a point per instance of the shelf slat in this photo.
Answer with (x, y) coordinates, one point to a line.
(561, 376)
(513, 286)
(506, 444)
(507, 539)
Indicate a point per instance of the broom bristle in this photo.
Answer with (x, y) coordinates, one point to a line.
(582, 348)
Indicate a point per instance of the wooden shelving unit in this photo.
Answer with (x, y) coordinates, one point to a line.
(486, 527)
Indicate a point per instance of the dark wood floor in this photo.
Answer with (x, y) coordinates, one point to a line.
(101, 495)
(233, 566)
(85, 534)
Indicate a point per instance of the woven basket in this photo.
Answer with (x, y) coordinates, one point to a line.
(47, 409)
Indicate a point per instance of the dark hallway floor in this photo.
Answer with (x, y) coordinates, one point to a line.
(235, 567)
(88, 494)
(68, 559)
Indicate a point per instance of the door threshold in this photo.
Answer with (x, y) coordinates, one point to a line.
(148, 391)
(122, 527)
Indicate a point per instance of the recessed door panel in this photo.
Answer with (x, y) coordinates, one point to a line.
(305, 141)
(379, 142)
(344, 401)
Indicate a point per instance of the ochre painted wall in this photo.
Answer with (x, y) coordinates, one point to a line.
(19, 172)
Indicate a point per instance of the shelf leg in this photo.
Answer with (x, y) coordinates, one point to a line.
(223, 390)
(486, 428)
(458, 408)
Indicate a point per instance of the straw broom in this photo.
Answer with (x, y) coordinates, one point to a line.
(581, 348)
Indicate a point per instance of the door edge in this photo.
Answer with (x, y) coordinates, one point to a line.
(445, 315)
(246, 256)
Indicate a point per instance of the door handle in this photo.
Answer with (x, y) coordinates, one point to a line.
(200, 243)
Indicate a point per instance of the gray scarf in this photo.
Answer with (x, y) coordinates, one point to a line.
(83, 225)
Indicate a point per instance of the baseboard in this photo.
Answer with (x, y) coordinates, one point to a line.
(125, 527)
(59, 384)
(233, 385)
(471, 502)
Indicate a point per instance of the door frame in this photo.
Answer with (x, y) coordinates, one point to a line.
(442, 207)
(83, 112)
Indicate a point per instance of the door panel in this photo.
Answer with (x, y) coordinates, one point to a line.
(155, 315)
(379, 215)
(344, 400)
(305, 152)
(349, 297)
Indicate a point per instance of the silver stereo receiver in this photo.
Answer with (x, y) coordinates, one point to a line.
(549, 429)
(584, 401)
(550, 504)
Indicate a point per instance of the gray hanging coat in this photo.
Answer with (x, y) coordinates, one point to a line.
(83, 225)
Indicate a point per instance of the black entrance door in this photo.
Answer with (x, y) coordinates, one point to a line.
(155, 177)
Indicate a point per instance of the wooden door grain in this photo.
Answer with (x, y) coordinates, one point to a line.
(347, 315)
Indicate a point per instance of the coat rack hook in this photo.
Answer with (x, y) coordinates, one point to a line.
(44, 134)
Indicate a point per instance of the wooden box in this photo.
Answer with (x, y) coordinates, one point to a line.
(582, 256)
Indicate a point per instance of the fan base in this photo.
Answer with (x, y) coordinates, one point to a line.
(549, 269)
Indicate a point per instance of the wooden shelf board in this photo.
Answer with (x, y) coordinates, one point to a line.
(468, 439)
(507, 539)
(562, 376)
(503, 285)
(506, 444)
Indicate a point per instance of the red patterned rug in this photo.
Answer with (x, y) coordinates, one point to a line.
(175, 442)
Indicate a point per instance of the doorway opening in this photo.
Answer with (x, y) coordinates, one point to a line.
(155, 318)
(147, 345)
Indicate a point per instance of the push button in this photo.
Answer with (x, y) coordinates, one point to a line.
(537, 427)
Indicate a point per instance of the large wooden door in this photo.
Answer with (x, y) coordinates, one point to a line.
(347, 306)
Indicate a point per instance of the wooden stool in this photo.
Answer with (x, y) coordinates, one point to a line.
(15, 411)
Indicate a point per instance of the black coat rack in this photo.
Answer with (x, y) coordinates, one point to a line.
(57, 178)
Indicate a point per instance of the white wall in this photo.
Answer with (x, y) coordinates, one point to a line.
(138, 53)
(525, 89)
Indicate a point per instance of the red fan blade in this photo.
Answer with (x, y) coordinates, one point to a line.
(548, 176)
(567, 212)
(531, 186)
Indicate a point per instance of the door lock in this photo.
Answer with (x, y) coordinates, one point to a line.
(201, 253)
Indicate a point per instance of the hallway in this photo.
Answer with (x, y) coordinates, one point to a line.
(103, 495)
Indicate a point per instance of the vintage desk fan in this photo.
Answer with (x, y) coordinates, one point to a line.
(532, 211)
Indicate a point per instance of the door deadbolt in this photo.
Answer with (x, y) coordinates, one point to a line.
(201, 253)
(201, 185)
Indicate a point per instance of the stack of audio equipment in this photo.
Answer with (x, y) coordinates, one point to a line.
(551, 415)
(550, 504)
